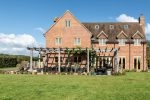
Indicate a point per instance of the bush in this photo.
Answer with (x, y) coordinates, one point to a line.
(22, 67)
(7, 62)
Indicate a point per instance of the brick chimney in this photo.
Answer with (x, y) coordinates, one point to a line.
(142, 22)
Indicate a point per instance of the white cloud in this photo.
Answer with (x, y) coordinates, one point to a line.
(148, 28)
(40, 29)
(16, 44)
(126, 18)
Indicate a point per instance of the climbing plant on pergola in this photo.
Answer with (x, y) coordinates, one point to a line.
(69, 51)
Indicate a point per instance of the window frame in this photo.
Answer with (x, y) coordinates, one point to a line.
(122, 58)
(137, 42)
(122, 42)
(67, 23)
(137, 58)
(77, 41)
(58, 41)
(102, 42)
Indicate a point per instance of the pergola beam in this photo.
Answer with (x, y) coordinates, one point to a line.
(64, 49)
(59, 50)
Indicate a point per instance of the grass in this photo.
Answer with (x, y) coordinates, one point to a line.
(133, 86)
(9, 68)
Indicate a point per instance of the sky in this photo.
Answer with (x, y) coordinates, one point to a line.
(23, 22)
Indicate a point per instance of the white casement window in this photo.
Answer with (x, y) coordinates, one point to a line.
(122, 62)
(102, 41)
(58, 41)
(137, 42)
(77, 41)
(137, 62)
(68, 23)
(122, 42)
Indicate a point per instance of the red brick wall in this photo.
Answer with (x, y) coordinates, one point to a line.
(124, 52)
(68, 34)
(79, 31)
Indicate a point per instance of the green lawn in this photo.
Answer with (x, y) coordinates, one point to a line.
(133, 86)
(9, 68)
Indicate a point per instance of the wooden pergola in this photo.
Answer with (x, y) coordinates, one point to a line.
(64, 50)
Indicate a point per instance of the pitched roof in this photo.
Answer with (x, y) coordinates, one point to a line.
(132, 28)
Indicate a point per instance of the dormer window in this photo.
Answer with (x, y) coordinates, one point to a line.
(137, 42)
(122, 42)
(102, 42)
(96, 26)
(111, 26)
(68, 23)
(126, 26)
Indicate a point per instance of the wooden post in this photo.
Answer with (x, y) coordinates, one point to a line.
(46, 61)
(31, 54)
(116, 65)
(59, 60)
(87, 60)
(39, 58)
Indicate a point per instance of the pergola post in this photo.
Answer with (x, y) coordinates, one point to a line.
(116, 65)
(88, 61)
(39, 58)
(31, 55)
(46, 61)
(59, 60)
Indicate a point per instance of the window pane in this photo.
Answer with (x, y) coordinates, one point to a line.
(120, 62)
(79, 59)
(135, 62)
(58, 41)
(77, 41)
(75, 59)
(68, 23)
(56, 59)
(121, 41)
(102, 41)
(123, 63)
(137, 41)
(139, 63)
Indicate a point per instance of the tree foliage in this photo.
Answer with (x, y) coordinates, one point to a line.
(12, 60)
(148, 54)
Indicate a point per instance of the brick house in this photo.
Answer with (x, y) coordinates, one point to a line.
(68, 32)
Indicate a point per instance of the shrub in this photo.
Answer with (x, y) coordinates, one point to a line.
(8, 62)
